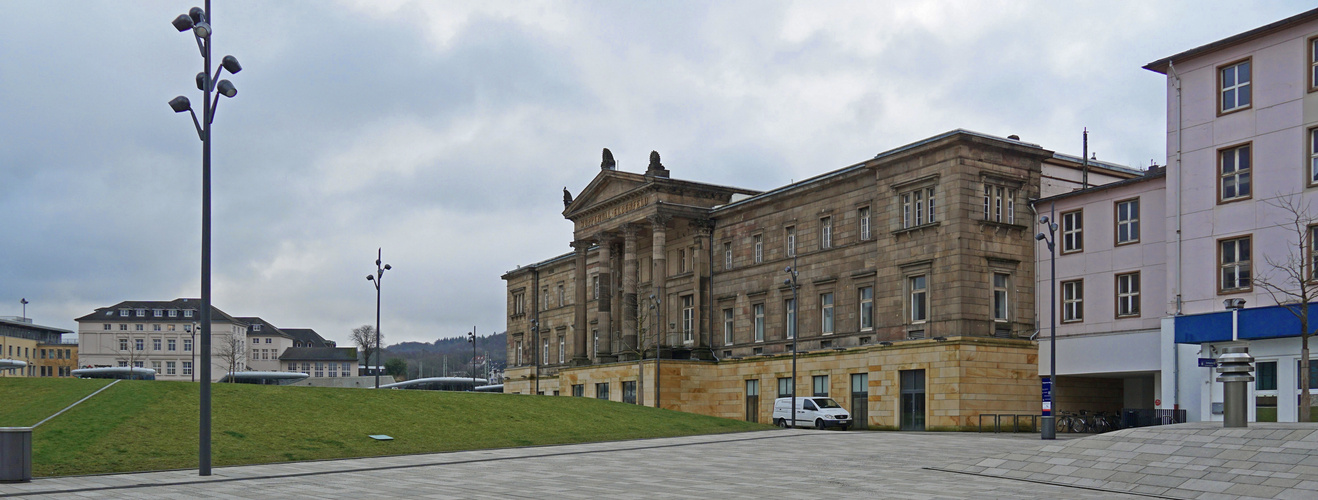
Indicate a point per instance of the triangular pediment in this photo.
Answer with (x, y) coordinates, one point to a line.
(607, 185)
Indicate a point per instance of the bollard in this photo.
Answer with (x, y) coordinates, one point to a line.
(15, 454)
(1235, 367)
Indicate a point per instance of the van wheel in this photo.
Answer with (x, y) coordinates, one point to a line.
(819, 424)
(778, 422)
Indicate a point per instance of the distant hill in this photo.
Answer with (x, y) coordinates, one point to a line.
(430, 359)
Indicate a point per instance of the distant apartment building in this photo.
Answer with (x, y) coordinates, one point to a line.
(1146, 268)
(162, 335)
(41, 349)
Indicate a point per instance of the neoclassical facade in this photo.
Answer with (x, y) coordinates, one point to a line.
(913, 275)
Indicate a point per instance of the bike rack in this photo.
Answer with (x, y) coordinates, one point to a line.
(997, 422)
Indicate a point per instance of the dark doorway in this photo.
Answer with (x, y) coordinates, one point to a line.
(912, 404)
(860, 400)
(752, 400)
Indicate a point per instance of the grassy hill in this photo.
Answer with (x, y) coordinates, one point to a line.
(152, 425)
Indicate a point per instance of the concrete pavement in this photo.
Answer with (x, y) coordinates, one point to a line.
(768, 464)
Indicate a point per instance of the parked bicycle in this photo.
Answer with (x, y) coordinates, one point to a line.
(1085, 422)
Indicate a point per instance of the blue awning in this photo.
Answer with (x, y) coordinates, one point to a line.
(1255, 323)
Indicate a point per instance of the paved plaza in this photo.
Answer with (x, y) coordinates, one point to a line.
(768, 464)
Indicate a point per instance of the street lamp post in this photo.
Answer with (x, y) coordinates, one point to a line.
(792, 272)
(375, 279)
(471, 337)
(1048, 428)
(535, 351)
(654, 306)
(197, 20)
(25, 303)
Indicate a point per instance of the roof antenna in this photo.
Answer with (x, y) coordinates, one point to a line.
(1084, 169)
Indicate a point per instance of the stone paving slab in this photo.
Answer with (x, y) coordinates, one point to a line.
(804, 464)
(1197, 460)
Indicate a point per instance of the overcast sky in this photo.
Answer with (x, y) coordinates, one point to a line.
(444, 132)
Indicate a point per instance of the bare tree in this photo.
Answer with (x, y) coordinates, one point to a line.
(364, 338)
(133, 354)
(644, 337)
(230, 352)
(1291, 280)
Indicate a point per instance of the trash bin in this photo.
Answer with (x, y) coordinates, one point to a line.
(15, 454)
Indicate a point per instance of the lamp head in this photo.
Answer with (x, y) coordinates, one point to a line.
(370, 277)
(388, 267)
(230, 64)
(201, 81)
(787, 282)
(227, 89)
(377, 262)
(202, 29)
(196, 15)
(1043, 219)
(182, 23)
(1039, 236)
(180, 104)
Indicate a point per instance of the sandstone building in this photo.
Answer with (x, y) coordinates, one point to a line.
(914, 298)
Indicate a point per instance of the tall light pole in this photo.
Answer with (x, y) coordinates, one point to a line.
(375, 279)
(535, 351)
(25, 303)
(1049, 427)
(197, 20)
(796, 318)
(471, 337)
(655, 304)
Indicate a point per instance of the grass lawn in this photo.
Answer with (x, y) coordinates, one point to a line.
(152, 425)
(28, 400)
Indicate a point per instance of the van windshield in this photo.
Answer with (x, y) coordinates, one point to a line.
(827, 403)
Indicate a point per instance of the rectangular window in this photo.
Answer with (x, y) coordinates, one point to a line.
(820, 385)
(1313, 64)
(139, 327)
(1073, 301)
(1267, 376)
(999, 204)
(123, 345)
(1313, 156)
(602, 391)
(867, 308)
(187, 345)
(170, 368)
(562, 349)
(1234, 84)
(1234, 256)
(562, 295)
(864, 216)
(1128, 295)
(544, 354)
(172, 345)
(1312, 247)
(1001, 307)
(826, 313)
(826, 232)
(919, 300)
(629, 391)
(790, 239)
(139, 344)
(1313, 373)
(155, 365)
(155, 344)
(187, 368)
(578, 390)
(1234, 169)
(759, 248)
(106, 326)
(123, 326)
(929, 206)
(158, 312)
(187, 313)
(595, 287)
(785, 389)
(1128, 221)
(681, 261)
(518, 349)
(688, 317)
(789, 310)
(727, 256)
(141, 313)
(173, 313)
(759, 322)
(727, 327)
(1073, 226)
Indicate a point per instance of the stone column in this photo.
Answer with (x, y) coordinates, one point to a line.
(659, 275)
(704, 321)
(629, 290)
(581, 328)
(604, 314)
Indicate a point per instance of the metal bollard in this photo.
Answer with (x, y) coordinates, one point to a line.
(1235, 367)
(15, 454)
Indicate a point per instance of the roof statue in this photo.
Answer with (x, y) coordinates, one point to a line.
(608, 163)
(656, 169)
(567, 197)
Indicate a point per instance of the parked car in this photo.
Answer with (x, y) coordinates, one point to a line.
(819, 412)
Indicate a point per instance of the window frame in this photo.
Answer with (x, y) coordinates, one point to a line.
(757, 315)
(826, 232)
(688, 317)
(1078, 299)
(863, 214)
(1132, 223)
(1221, 174)
(729, 325)
(1221, 90)
(790, 323)
(1311, 248)
(1312, 156)
(827, 316)
(727, 255)
(1072, 217)
(1005, 290)
(1313, 63)
(758, 243)
(1135, 295)
(1249, 266)
(866, 318)
(911, 294)
(789, 240)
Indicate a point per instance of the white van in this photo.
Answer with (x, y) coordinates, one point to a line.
(819, 412)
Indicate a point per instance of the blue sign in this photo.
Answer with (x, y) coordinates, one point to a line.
(1207, 362)
(1047, 396)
